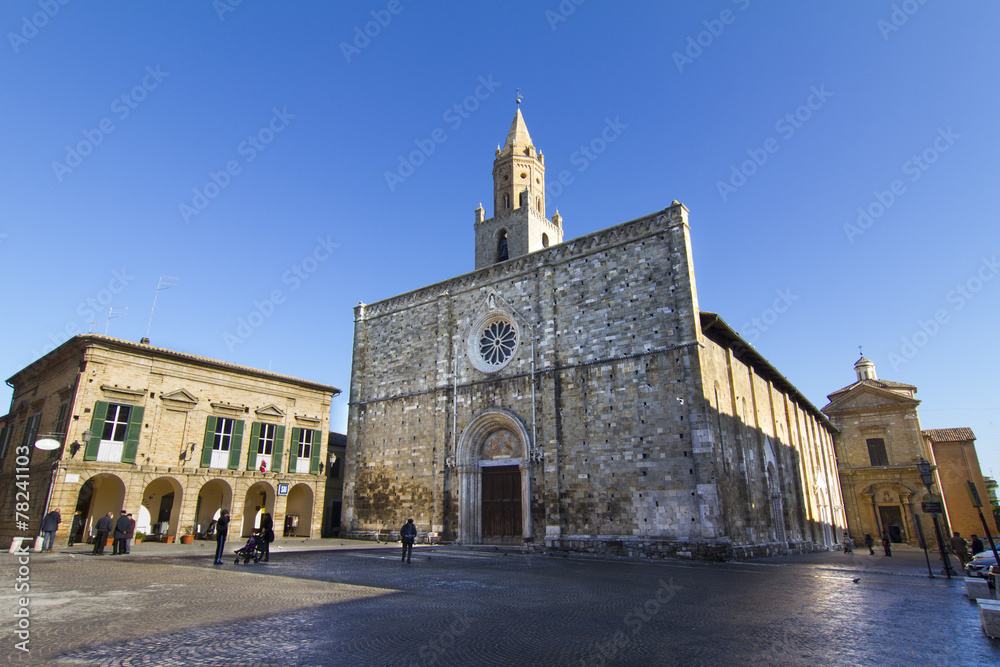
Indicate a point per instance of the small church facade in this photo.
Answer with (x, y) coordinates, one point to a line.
(571, 395)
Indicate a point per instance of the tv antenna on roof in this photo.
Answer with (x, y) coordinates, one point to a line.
(112, 315)
(166, 282)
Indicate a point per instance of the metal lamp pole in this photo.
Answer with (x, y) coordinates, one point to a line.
(927, 477)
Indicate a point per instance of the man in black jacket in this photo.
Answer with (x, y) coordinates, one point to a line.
(75, 527)
(103, 527)
(121, 530)
(407, 534)
(221, 532)
(50, 524)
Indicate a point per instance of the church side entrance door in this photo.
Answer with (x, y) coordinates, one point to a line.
(501, 505)
(892, 521)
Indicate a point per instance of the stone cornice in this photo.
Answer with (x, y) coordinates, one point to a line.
(123, 392)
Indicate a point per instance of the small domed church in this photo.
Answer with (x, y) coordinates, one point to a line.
(573, 395)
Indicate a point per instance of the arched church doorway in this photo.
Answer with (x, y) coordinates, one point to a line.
(494, 480)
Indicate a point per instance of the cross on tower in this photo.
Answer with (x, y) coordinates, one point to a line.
(519, 96)
(860, 351)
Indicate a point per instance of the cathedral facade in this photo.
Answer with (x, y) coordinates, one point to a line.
(571, 395)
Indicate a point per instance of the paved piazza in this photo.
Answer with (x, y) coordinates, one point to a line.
(455, 606)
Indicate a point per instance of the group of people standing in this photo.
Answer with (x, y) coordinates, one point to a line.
(959, 546)
(123, 530)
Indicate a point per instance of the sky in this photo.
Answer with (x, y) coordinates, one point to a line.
(280, 162)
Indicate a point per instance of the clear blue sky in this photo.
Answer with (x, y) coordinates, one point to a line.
(286, 119)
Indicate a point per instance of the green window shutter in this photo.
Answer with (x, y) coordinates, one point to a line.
(206, 447)
(252, 453)
(236, 445)
(97, 429)
(293, 448)
(133, 433)
(317, 446)
(279, 441)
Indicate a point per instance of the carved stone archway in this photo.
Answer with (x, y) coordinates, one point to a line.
(470, 461)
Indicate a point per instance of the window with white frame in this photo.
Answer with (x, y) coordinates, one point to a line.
(222, 441)
(265, 446)
(305, 451)
(115, 432)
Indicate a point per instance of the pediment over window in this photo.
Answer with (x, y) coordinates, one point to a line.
(230, 409)
(270, 412)
(122, 393)
(312, 422)
(181, 399)
(864, 397)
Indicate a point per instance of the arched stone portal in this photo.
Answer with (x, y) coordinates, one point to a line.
(162, 500)
(213, 497)
(496, 439)
(99, 495)
(259, 499)
(300, 506)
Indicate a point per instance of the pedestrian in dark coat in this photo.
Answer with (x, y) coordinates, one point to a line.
(129, 534)
(870, 543)
(221, 533)
(50, 524)
(121, 530)
(886, 542)
(102, 529)
(75, 527)
(977, 545)
(407, 535)
(267, 532)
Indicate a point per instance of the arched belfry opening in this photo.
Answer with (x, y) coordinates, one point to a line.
(503, 253)
(494, 479)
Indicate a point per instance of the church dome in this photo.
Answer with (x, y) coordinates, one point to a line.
(865, 368)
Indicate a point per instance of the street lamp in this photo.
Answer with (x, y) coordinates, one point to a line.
(935, 508)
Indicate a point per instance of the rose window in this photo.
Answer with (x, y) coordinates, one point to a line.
(497, 343)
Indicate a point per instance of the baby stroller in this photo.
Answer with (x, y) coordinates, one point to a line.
(254, 549)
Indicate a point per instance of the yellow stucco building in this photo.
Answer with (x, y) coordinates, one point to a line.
(172, 438)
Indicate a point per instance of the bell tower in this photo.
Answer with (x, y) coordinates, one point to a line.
(518, 225)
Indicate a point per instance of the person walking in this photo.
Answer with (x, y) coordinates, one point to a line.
(407, 535)
(267, 532)
(102, 529)
(886, 543)
(870, 543)
(75, 527)
(960, 547)
(221, 533)
(848, 544)
(50, 524)
(976, 546)
(129, 534)
(121, 530)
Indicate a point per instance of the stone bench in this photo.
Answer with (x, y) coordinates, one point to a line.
(989, 616)
(977, 587)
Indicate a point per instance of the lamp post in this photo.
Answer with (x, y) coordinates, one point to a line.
(928, 478)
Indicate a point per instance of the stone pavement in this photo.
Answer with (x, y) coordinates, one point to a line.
(340, 602)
